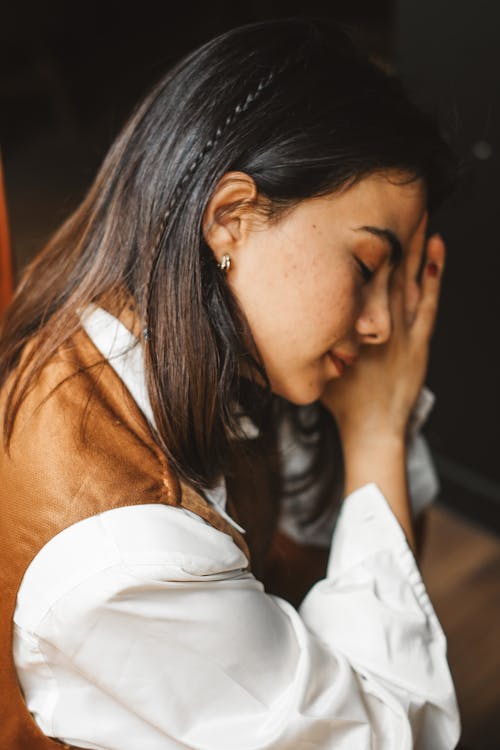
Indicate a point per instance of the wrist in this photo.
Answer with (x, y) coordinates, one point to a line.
(372, 442)
(380, 458)
(373, 458)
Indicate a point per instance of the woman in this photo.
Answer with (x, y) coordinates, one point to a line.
(247, 277)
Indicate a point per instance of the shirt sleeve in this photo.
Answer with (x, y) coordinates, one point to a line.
(141, 628)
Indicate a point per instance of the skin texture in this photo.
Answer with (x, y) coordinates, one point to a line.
(299, 282)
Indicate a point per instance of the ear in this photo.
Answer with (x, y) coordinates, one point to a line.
(227, 217)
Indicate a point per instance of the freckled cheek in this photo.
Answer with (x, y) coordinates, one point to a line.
(339, 304)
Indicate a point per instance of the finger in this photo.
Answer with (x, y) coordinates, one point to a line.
(413, 262)
(436, 251)
(431, 286)
(397, 297)
(416, 249)
(412, 300)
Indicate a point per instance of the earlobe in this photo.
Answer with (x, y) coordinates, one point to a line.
(226, 220)
(220, 236)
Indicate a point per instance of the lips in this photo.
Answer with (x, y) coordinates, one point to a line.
(341, 361)
(339, 364)
(346, 358)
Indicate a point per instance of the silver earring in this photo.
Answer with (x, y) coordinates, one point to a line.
(225, 263)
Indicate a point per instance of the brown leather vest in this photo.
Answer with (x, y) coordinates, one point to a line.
(80, 447)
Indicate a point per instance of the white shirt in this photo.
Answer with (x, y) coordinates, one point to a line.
(141, 629)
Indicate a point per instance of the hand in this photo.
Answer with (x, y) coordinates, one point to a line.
(376, 396)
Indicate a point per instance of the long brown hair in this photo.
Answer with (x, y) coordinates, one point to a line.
(292, 104)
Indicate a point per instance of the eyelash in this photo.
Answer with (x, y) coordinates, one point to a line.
(366, 272)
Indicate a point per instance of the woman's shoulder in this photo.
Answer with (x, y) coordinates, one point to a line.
(80, 446)
(79, 418)
(83, 446)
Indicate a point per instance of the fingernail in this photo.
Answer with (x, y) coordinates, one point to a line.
(432, 269)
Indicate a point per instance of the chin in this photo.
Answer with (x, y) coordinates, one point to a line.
(300, 394)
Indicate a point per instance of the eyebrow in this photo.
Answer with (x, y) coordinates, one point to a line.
(389, 236)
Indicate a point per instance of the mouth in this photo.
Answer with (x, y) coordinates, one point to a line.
(341, 361)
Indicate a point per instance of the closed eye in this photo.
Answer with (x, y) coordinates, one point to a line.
(366, 272)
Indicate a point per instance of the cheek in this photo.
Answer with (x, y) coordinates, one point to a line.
(321, 308)
(336, 308)
(298, 309)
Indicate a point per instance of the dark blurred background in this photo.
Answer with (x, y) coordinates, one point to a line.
(70, 74)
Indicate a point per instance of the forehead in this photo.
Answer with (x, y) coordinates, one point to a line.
(390, 201)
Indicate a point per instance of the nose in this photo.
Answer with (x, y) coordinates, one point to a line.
(374, 324)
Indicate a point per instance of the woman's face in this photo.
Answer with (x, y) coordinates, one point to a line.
(304, 290)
